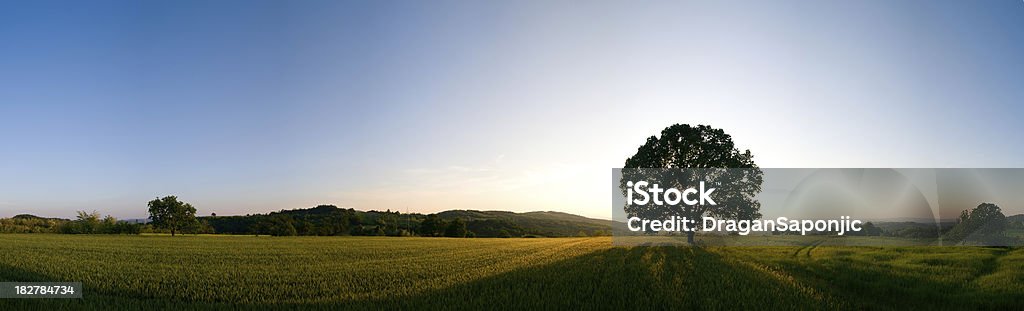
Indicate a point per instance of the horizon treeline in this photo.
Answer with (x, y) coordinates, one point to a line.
(329, 220)
(322, 220)
(982, 225)
(85, 223)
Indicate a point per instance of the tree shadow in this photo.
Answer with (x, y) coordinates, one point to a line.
(664, 277)
(885, 284)
(618, 278)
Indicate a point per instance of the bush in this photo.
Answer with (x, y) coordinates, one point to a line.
(90, 223)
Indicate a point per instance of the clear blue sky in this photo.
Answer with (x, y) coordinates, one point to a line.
(253, 106)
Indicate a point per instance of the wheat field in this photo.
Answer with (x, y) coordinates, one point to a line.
(246, 272)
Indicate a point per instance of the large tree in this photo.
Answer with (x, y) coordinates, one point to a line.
(685, 155)
(983, 225)
(169, 213)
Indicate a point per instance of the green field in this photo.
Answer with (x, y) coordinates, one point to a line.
(231, 272)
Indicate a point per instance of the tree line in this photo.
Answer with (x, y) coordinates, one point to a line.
(329, 220)
(170, 215)
(84, 223)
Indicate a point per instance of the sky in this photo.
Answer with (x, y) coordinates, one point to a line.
(254, 106)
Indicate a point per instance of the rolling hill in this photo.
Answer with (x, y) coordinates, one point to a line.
(331, 220)
(551, 224)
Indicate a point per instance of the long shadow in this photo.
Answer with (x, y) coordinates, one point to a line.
(13, 274)
(625, 278)
(868, 284)
(695, 278)
(618, 278)
(615, 278)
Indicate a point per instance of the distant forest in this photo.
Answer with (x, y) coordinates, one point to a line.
(329, 220)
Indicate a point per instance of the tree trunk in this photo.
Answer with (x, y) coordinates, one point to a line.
(689, 237)
(172, 232)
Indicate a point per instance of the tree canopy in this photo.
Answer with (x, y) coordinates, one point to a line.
(984, 225)
(456, 229)
(169, 213)
(693, 154)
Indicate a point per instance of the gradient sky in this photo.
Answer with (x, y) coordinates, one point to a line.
(254, 106)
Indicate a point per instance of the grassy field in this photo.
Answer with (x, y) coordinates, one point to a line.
(232, 272)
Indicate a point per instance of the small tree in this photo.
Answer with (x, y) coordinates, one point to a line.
(281, 225)
(169, 213)
(456, 229)
(89, 222)
(108, 226)
(432, 226)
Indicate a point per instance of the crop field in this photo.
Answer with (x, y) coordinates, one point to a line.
(246, 272)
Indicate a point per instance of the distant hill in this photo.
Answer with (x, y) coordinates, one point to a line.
(331, 220)
(1016, 222)
(31, 217)
(556, 224)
